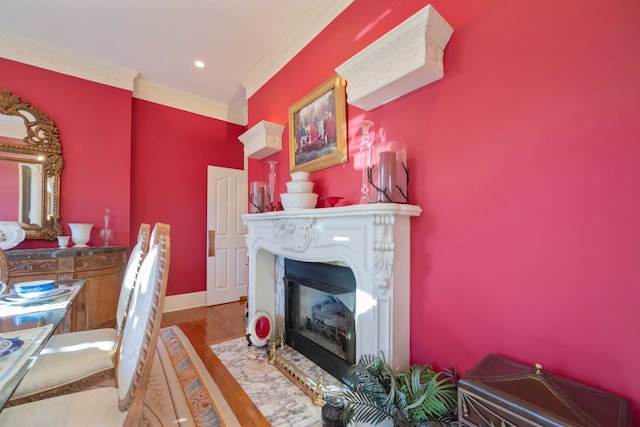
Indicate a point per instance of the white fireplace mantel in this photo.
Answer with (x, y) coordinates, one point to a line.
(373, 240)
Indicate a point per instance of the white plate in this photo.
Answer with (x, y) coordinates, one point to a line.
(10, 234)
(8, 346)
(15, 299)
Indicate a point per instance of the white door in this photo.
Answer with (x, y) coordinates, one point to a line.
(226, 246)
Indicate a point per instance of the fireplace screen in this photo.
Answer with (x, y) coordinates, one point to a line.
(319, 314)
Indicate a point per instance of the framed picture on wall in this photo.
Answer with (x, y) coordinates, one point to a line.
(318, 128)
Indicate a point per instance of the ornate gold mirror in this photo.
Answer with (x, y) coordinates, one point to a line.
(30, 167)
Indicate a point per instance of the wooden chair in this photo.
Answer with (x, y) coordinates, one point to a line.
(4, 270)
(77, 360)
(120, 405)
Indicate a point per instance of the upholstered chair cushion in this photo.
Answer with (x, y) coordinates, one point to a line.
(143, 309)
(97, 407)
(69, 358)
(138, 253)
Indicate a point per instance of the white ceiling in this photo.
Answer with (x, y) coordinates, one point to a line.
(240, 41)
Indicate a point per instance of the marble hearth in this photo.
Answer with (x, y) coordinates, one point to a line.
(373, 240)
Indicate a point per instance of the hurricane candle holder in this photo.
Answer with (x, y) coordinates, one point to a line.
(257, 197)
(389, 174)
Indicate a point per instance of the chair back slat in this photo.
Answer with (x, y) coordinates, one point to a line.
(134, 263)
(4, 271)
(140, 333)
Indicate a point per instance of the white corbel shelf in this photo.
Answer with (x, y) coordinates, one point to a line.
(403, 60)
(262, 140)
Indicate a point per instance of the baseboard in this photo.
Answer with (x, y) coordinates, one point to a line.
(185, 301)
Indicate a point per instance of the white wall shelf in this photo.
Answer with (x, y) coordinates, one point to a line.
(262, 140)
(403, 60)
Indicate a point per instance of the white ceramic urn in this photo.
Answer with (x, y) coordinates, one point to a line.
(80, 234)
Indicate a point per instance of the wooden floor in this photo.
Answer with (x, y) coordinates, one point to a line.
(209, 325)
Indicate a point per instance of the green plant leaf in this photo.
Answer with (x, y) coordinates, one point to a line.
(409, 397)
(364, 407)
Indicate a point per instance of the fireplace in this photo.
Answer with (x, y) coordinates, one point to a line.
(371, 241)
(319, 315)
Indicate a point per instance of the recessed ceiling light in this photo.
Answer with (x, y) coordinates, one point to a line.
(199, 64)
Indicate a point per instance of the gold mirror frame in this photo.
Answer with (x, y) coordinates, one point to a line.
(40, 146)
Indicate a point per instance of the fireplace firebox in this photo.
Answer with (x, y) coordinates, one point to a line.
(320, 303)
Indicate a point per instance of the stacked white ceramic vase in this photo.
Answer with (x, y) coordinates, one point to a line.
(299, 193)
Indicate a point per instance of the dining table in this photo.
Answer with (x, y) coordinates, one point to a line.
(26, 324)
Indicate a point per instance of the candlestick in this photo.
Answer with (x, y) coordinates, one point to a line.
(272, 185)
(365, 160)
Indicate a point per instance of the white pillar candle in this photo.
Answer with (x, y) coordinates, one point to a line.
(386, 175)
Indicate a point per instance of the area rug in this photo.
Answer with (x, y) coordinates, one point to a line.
(180, 391)
(280, 401)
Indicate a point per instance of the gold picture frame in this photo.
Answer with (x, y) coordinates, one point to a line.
(318, 128)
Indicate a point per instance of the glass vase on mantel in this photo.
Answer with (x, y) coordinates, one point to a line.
(389, 174)
(272, 185)
(365, 160)
(106, 233)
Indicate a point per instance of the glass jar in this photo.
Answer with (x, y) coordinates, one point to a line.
(258, 197)
(390, 174)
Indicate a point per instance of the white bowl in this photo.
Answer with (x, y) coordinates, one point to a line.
(34, 288)
(300, 176)
(299, 186)
(291, 201)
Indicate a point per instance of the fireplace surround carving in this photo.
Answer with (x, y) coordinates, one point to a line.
(372, 240)
(294, 235)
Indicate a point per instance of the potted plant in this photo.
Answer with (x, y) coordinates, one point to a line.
(416, 396)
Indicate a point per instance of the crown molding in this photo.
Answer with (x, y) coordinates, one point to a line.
(165, 95)
(404, 59)
(319, 15)
(27, 51)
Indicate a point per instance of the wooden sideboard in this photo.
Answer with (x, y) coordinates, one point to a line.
(102, 267)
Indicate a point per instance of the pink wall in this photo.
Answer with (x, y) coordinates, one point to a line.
(94, 123)
(524, 159)
(144, 161)
(171, 152)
